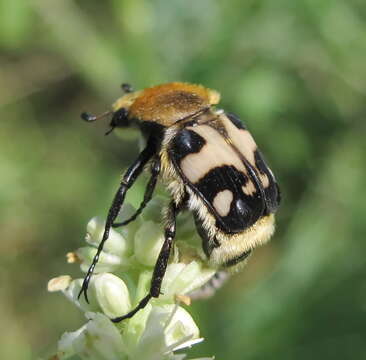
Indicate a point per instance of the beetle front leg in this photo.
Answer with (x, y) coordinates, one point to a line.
(128, 179)
(149, 190)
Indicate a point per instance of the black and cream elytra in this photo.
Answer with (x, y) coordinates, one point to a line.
(212, 167)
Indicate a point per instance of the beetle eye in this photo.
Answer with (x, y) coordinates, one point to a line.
(120, 119)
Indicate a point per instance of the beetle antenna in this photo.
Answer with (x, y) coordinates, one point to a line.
(127, 88)
(90, 117)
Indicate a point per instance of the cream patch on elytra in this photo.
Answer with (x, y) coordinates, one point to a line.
(222, 202)
(215, 153)
(241, 139)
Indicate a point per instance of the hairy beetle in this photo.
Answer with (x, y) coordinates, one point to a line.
(211, 166)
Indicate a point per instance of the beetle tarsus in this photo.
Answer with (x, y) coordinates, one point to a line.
(129, 315)
(84, 289)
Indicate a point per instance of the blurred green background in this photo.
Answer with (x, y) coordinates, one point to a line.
(295, 71)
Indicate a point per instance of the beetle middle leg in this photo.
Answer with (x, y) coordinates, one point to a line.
(161, 264)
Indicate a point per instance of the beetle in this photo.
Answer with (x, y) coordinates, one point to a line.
(211, 166)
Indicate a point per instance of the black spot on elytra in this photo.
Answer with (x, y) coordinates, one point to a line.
(244, 211)
(185, 143)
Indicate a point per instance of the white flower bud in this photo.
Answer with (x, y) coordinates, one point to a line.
(66, 343)
(111, 294)
(116, 244)
(180, 326)
(107, 262)
(167, 327)
(182, 278)
(149, 239)
(59, 283)
(99, 339)
(107, 293)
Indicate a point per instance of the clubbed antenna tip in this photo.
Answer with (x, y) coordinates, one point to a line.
(90, 117)
(127, 88)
